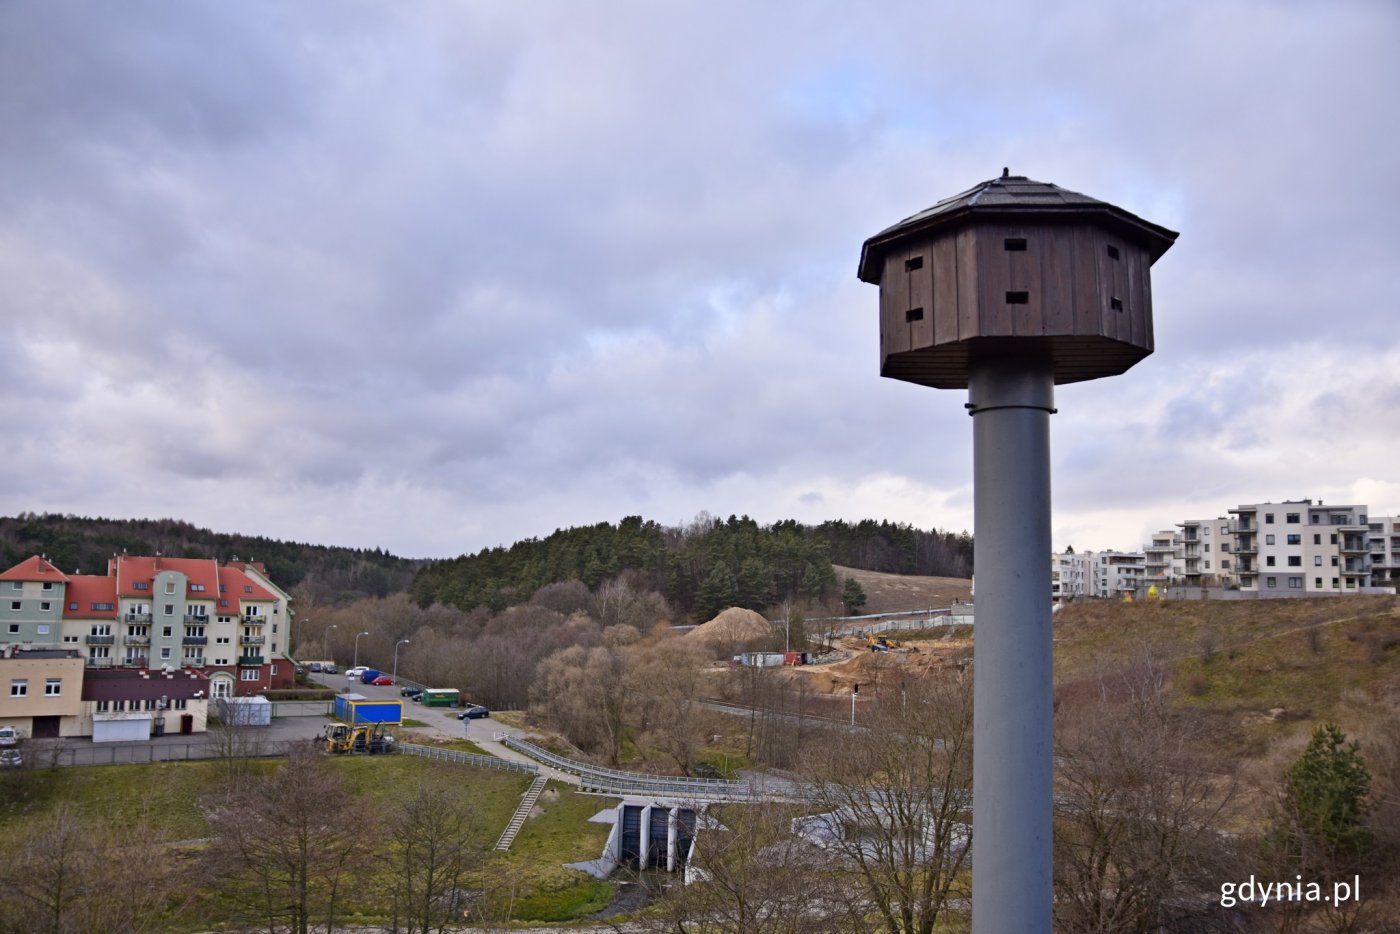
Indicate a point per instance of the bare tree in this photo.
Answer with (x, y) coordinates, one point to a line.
(235, 743)
(898, 796)
(752, 874)
(432, 849)
(1137, 813)
(670, 676)
(292, 851)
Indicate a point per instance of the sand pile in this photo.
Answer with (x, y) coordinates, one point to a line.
(732, 627)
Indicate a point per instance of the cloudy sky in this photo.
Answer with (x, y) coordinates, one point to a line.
(436, 276)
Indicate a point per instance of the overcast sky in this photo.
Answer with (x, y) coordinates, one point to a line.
(434, 277)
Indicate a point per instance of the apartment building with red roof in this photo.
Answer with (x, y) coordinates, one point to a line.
(229, 622)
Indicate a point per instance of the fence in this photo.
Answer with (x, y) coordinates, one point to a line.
(611, 781)
(467, 758)
(148, 753)
(301, 708)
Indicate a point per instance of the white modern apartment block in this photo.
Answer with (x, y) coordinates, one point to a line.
(1070, 576)
(1158, 559)
(1205, 550)
(1298, 548)
(1383, 538)
(1118, 573)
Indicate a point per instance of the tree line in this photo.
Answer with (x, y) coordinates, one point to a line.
(80, 544)
(700, 569)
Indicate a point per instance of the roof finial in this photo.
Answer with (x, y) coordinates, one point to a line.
(1005, 171)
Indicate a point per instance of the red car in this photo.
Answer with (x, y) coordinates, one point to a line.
(383, 680)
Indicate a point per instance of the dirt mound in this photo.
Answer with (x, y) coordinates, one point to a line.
(733, 627)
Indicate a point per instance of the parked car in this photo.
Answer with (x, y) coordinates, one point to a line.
(383, 681)
(353, 674)
(11, 759)
(474, 712)
(411, 692)
(328, 669)
(8, 736)
(315, 667)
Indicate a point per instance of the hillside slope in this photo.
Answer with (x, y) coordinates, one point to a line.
(889, 593)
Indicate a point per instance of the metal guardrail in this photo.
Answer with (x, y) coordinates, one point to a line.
(613, 781)
(467, 758)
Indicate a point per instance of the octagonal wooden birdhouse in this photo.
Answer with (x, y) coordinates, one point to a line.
(1014, 268)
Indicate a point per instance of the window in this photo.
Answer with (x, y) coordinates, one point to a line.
(1224, 530)
(53, 687)
(1271, 582)
(100, 651)
(1292, 518)
(1295, 583)
(1225, 565)
(1268, 539)
(1295, 539)
(1269, 560)
(103, 706)
(15, 605)
(180, 703)
(118, 705)
(1206, 531)
(45, 606)
(247, 588)
(249, 674)
(70, 639)
(170, 586)
(19, 687)
(101, 629)
(1334, 583)
(1207, 547)
(196, 588)
(1317, 560)
(141, 585)
(165, 653)
(73, 606)
(273, 670)
(1268, 518)
(1334, 561)
(43, 629)
(17, 585)
(223, 588)
(1317, 582)
(99, 607)
(221, 688)
(167, 631)
(170, 609)
(1317, 539)
(1334, 538)
(1295, 561)
(14, 629)
(221, 640)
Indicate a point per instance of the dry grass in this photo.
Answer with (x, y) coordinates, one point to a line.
(890, 593)
(1259, 671)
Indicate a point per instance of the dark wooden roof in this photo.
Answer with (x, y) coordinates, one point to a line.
(1012, 196)
(138, 684)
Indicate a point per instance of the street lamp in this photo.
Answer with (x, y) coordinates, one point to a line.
(396, 658)
(357, 647)
(326, 642)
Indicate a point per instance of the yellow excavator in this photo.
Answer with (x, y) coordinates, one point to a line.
(880, 643)
(368, 739)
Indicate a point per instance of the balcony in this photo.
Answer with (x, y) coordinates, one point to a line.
(251, 640)
(137, 617)
(254, 620)
(100, 640)
(192, 620)
(1352, 544)
(134, 661)
(195, 640)
(100, 662)
(250, 660)
(129, 639)
(193, 661)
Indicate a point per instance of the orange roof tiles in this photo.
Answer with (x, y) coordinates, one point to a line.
(35, 568)
(86, 590)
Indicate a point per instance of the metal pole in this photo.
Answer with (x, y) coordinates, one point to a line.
(326, 642)
(357, 648)
(396, 658)
(1011, 402)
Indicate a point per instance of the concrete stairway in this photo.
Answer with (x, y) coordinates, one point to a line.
(532, 794)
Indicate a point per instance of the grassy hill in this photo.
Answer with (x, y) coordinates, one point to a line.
(889, 593)
(1263, 670)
